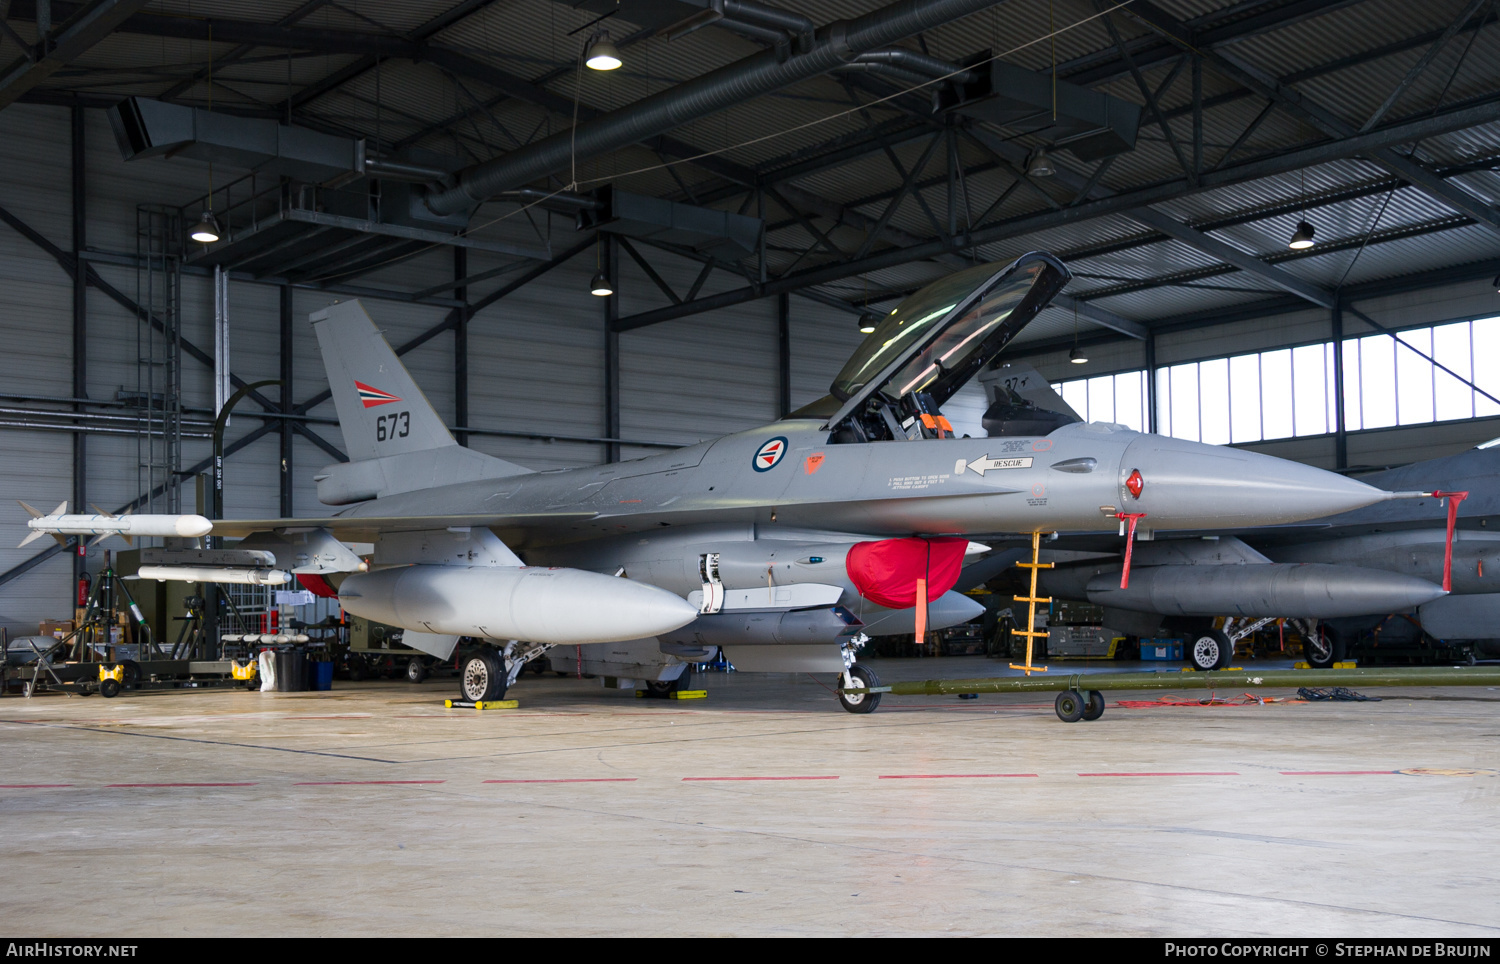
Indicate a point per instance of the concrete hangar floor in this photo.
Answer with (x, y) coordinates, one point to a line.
(763, 810)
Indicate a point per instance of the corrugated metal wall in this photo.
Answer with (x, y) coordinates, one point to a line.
(535, 357)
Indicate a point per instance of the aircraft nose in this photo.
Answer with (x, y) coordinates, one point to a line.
(1190, 485)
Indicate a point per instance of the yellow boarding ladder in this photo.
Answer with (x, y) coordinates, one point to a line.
(1031, 600)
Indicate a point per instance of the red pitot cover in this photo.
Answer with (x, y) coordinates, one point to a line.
(886, 572)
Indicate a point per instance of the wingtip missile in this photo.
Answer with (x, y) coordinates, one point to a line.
(125, 525)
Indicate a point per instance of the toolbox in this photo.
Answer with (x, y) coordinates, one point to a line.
(1164, 649)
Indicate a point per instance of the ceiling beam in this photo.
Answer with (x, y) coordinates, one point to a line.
(1294, 103)
(1485, 111)
(1229, 254)
(85, 26)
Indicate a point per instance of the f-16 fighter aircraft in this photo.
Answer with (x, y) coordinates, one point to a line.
(784, 545)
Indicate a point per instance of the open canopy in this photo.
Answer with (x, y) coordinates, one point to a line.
(929, 347)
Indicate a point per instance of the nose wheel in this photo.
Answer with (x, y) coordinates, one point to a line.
(861, 679)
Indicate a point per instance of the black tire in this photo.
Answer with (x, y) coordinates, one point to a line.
(481, 678)
(1070, 705)
(357, 669)
(860, 702)
(1208, 650)
(416, 670)
(109, 688)
(657, 687)
(132, 673)
(1095, 706)
(1325, 649)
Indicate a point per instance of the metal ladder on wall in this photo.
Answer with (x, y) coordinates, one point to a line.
(158, 395)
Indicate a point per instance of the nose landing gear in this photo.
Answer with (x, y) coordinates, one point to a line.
(857, 678)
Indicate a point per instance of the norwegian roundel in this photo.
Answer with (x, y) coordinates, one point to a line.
(769, 454)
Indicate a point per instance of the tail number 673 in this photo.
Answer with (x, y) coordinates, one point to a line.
(394, 425)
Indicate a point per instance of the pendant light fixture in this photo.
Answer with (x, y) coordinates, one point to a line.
(1077, 356)
(206, 231)
(1041, 164)
(1303, 237)
(602, 54)
(868, 321)
(600, 287)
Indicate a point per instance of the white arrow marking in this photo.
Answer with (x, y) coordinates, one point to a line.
(983, 465)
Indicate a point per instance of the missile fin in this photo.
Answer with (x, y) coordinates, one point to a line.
(34, 536)
(99, 511)
(102, 536)
(62, 508)
(34, 513)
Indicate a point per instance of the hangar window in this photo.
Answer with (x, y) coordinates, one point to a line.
(1117, 398)
(1289, 392)
(1389, 384)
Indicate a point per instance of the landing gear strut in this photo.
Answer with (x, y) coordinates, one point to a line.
(857, 677)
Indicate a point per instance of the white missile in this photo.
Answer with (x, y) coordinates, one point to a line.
(559, 606)
(59, 524)
(241, 577)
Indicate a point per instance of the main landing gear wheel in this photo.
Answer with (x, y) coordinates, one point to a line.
(1210, 650)
(1095, 707)
(860, 702)
(1324, 648)
(482, 678)
(109, 689)
(416, 670)
(1070, 706)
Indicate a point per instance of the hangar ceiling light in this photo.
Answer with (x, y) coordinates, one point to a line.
(600, 286)
(206, 231)
(1303, 238)
(603, 55)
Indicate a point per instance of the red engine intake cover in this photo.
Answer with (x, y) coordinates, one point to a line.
(317, 585)
(886, 572)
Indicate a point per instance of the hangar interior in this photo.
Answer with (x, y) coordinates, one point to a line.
(1374, 123)
(1280, 217)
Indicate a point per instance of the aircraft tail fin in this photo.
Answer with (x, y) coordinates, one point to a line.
(395, 439)
(381, 410)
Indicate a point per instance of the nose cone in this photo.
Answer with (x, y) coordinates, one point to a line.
(1189, 485)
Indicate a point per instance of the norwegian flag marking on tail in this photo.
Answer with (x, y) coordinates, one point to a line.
(374, 396)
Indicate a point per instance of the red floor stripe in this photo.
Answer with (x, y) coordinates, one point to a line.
(1334, 773)
(363, 783)
(1210, 773)
(695, 779)
(572, 780)
(33, 786)
(107, 785)
(950, 776)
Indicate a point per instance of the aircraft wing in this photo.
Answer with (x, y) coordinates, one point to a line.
(367, 528)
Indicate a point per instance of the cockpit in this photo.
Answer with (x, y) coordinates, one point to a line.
(931, 345)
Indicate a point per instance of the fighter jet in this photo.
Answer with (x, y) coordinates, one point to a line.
(784, 545)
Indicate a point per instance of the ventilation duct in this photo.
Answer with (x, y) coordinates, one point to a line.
(1089, 124)
(705, 230)
(833, 45)
(151, 128)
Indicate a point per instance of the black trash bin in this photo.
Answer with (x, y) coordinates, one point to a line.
(291, 671)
